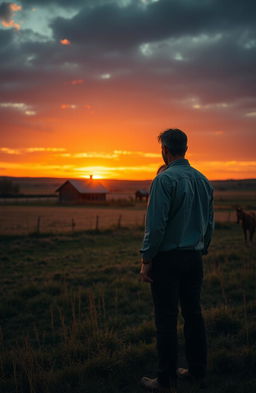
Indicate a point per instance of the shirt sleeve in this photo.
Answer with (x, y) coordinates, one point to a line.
(156, 217)
(210, 226)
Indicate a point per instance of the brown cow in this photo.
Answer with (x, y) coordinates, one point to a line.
(248, 222)
(141, 194)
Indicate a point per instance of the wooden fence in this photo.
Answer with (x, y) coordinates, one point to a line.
(23, 220)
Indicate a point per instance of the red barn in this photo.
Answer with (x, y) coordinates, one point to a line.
(81, 191)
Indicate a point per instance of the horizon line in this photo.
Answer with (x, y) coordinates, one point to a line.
(102, 179)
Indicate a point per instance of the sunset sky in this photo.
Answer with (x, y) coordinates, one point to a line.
(86, 86)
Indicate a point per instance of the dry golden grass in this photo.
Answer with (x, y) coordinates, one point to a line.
(23, 219)
(17, 219)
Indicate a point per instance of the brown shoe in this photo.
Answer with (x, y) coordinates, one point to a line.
(184, 375)
(154, 386)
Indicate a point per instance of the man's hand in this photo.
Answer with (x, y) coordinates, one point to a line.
(145, 272)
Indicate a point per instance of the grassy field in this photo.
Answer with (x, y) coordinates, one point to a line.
(229, 198)
(57, 219)
(21, 216)
(75, 318)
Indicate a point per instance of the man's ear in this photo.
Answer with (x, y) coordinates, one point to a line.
(165, 148)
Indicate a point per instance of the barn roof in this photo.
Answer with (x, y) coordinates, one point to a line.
(85, 186)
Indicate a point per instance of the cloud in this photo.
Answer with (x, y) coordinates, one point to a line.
(112, 26)
(11, 23)
(19, 106)
(114, 154)
(65, 41)
(44, 149)
(77, 82)
(137, 153)
(226, 169)
(89, 108)
(63, 3)
(11, 151)
(105, 76)
(90, 155)
(37, 166)
(251, 114)
(7, 150)
(64, 153)
(7, 12)
(68, 106)
(15, 7)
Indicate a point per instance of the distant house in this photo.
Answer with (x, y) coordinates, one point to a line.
(81, 191)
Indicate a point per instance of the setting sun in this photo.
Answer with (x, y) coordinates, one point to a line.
(95, 176)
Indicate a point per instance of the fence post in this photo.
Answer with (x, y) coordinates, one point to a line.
(119, 221)
(73, 224)
(38, 224)
(97, 224)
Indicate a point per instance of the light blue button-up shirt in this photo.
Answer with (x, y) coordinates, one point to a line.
(180, 211)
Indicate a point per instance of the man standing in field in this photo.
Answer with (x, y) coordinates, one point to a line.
(178, 230)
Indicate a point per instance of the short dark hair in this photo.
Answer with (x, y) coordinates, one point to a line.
(175, 140)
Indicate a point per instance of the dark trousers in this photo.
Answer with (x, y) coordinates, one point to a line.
(177, 277)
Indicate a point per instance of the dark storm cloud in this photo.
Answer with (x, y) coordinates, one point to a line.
(6, 38)
(63, 3)
(205, 49)
(5, 11)
(111, 26)
(46, 3)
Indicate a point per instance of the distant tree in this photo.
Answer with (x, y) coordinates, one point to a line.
(7, 187)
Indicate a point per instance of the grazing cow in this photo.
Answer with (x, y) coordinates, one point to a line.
(248, 222)
(140, 194)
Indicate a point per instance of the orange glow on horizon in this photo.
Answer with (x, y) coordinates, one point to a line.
(110, 145)
(213, 170)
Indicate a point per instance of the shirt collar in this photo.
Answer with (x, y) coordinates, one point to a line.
(179, 161)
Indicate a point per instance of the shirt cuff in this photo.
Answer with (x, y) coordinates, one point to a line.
(146, 261)
(146, 257)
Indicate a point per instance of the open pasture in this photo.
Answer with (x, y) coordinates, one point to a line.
(16, 219)
(229, 198)
(22, 218)
(75, 318)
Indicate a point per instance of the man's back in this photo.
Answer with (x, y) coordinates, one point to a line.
(190, 207)
(180, 210)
